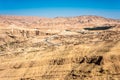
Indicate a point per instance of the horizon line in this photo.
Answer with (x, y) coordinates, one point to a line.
(55, 16)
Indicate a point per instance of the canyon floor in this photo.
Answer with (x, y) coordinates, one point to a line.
(77, 48)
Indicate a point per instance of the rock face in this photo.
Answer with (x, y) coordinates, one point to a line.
(33, 48)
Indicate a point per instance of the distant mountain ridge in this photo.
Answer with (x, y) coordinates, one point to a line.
(57, 21)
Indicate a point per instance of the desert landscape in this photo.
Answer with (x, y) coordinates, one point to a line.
(60, 48)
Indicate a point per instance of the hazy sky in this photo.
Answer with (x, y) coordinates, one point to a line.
(54, 8)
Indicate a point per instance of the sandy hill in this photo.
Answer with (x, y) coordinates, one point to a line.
(58, 21)
(71, 48)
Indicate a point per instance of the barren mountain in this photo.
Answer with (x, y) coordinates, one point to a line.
(71, 48)
(56, 22)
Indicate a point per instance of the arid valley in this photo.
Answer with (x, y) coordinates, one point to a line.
(60, 48)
